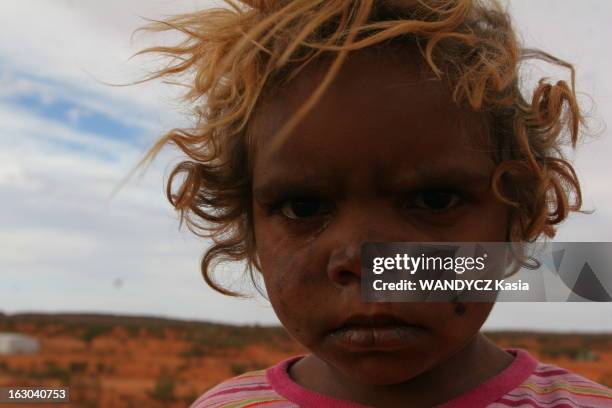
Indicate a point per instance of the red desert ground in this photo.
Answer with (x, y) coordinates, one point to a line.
(121, 361)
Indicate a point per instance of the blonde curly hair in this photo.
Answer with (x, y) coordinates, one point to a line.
(232, 57)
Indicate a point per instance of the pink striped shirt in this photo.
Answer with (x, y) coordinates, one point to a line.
(524, 383)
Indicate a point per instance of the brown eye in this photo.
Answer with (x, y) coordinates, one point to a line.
(435, 200)
(303, 208)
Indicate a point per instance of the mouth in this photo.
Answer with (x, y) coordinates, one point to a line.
(376, 333)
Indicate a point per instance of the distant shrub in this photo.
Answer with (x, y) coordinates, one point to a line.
(54, 371)
(221, 339)
(51, 370)
(93, 331)
(190, 398)
(574, 353)
(133, 330)
(196, 350)
(519, 346)
(78, 366)
(157, 332)
(238, 368)
(164, 390)
(9, 325)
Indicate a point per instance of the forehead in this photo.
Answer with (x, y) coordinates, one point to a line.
(383, 107)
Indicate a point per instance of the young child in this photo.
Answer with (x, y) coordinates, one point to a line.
(324, 124)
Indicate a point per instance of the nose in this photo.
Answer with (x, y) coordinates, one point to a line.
(344, 265)
(349, 235)
(351, 232)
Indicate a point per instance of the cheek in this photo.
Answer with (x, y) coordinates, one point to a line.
(449, 332)
(292, 276)
(455, 323)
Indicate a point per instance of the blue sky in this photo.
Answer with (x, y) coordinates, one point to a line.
(68, 140)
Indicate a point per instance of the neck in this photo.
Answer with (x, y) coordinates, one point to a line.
(476, 362)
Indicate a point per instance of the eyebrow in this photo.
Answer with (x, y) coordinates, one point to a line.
(293, 184)
(442, 174)
(416, 177)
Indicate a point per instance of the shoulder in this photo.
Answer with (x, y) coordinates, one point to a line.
(248, 389)
(550, 384)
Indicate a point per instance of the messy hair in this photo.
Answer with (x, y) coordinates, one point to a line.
(232, 57)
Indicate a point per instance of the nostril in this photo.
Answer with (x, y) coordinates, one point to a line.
(344, 266)
(345, 278)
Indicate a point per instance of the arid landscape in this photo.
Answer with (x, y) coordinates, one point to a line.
(118, 361)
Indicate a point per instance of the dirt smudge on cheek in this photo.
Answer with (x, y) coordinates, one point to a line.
(293, 281)
(460, 309)
(295, 297)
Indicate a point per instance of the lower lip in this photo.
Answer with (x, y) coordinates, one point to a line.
(384, 338)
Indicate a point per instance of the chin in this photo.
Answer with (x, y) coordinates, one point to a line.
(381, 368)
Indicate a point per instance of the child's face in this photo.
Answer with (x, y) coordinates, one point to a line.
(384, 156)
